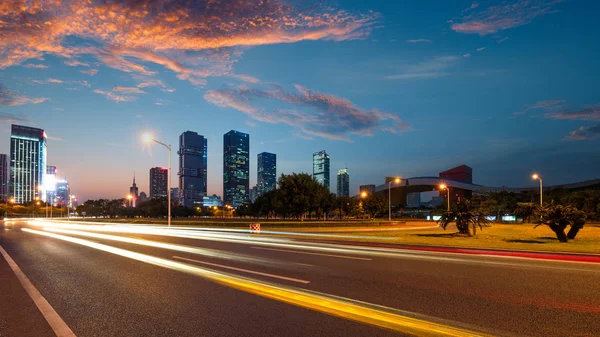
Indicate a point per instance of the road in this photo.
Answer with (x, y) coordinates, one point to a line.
(153, 281)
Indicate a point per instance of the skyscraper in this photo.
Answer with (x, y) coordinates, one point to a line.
(4, 181)
(134, 192)
(236, 168)
(343, 183)
(266, 177)
(321, 171)
(50, 184)
(27, 163)
(192, 168)
(159, 182)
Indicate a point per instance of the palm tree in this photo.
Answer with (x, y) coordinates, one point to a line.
(525, 210)
(466, 218)
(558, 217)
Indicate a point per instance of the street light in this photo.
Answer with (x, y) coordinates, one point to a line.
(130, 198)
(148, 138)
(536, 176)
(363, 194)
(444, 186)
(397, 181)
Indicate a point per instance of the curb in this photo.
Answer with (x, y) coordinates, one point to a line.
(588, 258)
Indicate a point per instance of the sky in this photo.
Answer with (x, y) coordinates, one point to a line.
(387, 88)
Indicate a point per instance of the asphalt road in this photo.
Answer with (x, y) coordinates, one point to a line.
(103, 291)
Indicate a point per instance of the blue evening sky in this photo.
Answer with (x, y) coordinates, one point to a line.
(409, 88)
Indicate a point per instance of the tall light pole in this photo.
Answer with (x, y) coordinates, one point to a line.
(397, 181)
(130, 200)
(148, 139)
(444, 186)
(536, 176)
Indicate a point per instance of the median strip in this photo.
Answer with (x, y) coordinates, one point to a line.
(319, 254)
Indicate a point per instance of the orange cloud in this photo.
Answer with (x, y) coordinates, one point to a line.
(193, 39)
(8, 97)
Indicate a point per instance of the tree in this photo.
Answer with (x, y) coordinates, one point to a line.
(558, 217)
(467, 219)
(525, 210)
(375, 204)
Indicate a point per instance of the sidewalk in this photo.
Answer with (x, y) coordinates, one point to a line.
(19, 316)
(558, 256)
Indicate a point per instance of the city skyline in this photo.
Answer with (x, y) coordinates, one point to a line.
(505, 89)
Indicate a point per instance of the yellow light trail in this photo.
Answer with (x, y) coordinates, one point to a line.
(335, 306)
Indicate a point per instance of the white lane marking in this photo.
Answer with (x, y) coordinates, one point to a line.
(244, 270)
(307, 253)
(61, 329)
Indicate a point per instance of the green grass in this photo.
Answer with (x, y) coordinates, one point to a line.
(498, 236)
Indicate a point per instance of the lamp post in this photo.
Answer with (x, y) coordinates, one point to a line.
(148, 139)
(397, 181)
(130, 199)
(536, 176)
(444, 186)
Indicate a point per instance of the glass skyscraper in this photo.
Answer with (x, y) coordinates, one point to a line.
(266, 177)
(192, 168)
(343, 183)
(236, 168)
(27, 163)
(321, 171)
(159, 182)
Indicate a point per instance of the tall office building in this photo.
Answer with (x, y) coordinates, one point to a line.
(266, 179)
(62, 195)
(159, 182)
(192, 168)
(50, 184)
(4, 181)
(236, 168)
(321, 171)
(134, 192)
(343, 183)
(27, 163)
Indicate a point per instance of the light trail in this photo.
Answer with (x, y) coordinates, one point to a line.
(180, 248)
(287, 243)
(253, 240)
(345, 308)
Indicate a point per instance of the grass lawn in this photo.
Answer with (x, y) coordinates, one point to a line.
(498, 236)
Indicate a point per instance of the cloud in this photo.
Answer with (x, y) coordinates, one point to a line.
(508, 15)
(585, 133)
(35, 66)
(467, 55)
(194, 39)
(128, 90)
(48, 81)
(432, 68)
(250, 123)
(139, 116)
(548, 105)
(55, 138)
(313, 113)
(9, 117)
(75, 63)
(90, 72)
(501, 39)
(7, 97)
(419, 41)
(114, 97)
(160, 101)
(481, 49)
(587, 114)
